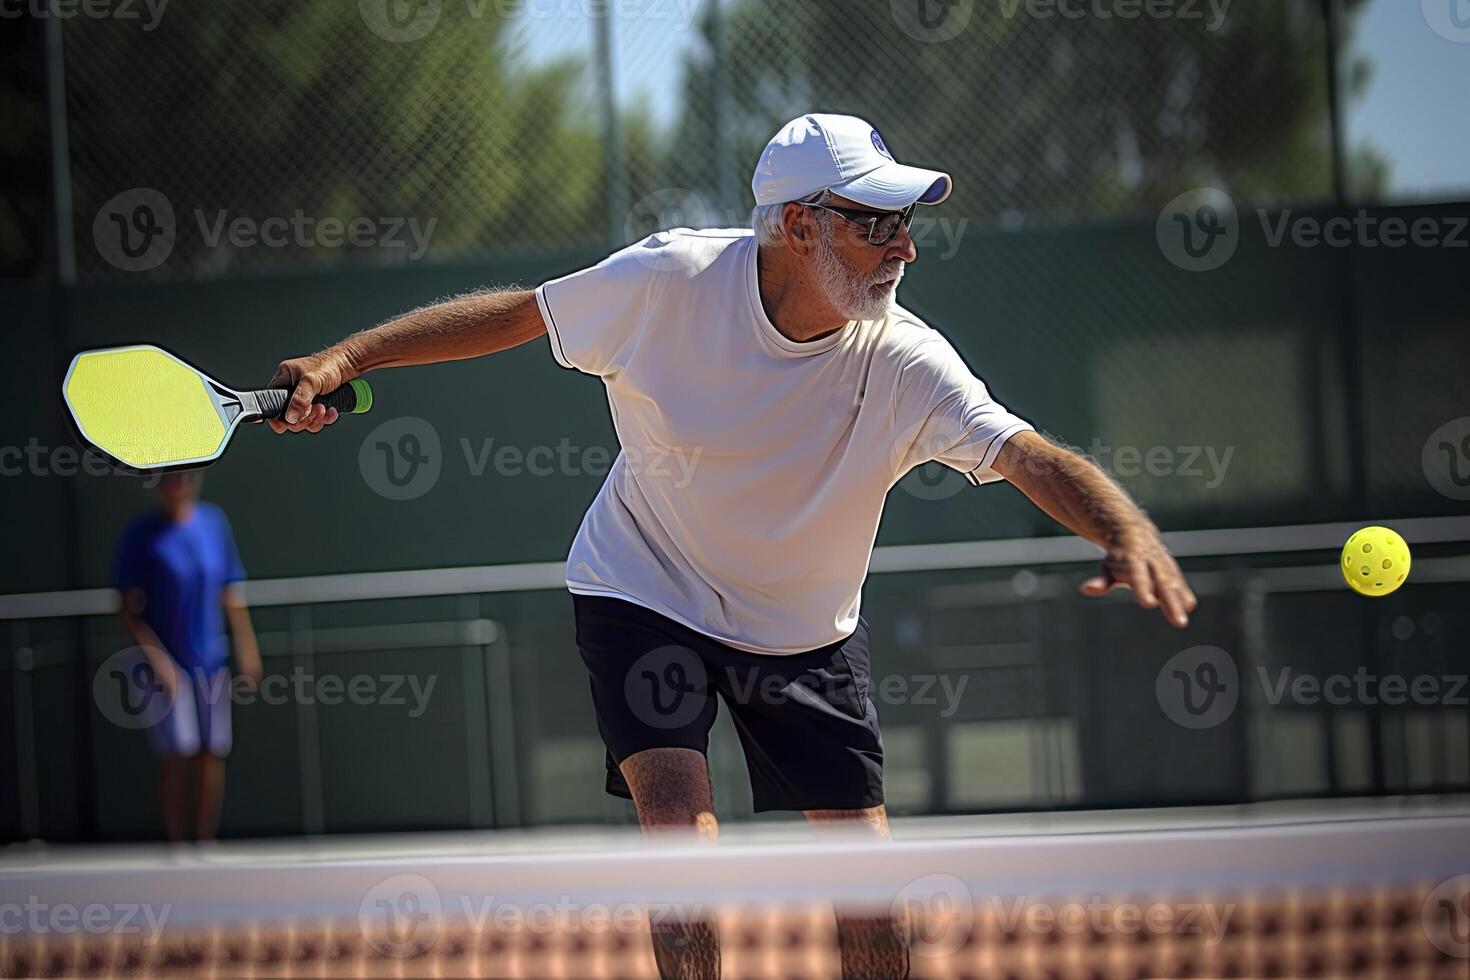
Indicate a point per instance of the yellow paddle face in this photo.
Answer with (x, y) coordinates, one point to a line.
(144, 407)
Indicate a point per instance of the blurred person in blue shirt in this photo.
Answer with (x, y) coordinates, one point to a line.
(180, 577)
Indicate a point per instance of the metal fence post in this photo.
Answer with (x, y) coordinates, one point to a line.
(724, 115)
(615, 175)
(308, 737)
(28, 789)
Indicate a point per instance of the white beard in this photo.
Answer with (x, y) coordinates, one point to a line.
(849, 292)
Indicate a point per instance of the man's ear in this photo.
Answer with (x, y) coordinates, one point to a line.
(798, 232)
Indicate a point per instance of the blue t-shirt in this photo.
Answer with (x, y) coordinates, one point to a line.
(181, 568)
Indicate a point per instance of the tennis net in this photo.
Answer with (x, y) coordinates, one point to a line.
(1318, 896)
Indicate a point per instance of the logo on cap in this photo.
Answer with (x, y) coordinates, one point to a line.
(878, 145)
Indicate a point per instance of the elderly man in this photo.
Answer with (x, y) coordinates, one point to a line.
(779, 363)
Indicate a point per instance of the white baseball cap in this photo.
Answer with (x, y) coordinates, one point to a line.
(843, 154)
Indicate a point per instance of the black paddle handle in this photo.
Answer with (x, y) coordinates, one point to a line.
(353, 397)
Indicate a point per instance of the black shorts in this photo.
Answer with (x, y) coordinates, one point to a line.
(808, 727)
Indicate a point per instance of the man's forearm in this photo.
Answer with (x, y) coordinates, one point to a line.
(1072, 491)
(466, 326)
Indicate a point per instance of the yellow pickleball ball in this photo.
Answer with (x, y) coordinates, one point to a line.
(1375, 561)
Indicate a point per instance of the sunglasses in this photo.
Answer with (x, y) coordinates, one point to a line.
(881, 225)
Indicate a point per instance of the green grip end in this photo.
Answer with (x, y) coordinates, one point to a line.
(364, 396)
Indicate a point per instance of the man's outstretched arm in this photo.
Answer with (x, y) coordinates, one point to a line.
(1082, 498)
(466, 326)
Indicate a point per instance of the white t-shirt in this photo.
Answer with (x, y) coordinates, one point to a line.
(746, 498)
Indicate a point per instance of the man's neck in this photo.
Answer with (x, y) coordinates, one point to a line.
(794, 307)
(179, 513)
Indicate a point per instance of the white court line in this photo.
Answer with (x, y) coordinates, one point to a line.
(539, 576)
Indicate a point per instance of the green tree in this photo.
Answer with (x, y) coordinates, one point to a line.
(265, 108)
(1049, 118)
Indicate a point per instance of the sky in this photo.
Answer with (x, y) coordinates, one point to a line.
(1416, 110)
(1417, 107)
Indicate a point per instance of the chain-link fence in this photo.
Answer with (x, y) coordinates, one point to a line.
(206, 140)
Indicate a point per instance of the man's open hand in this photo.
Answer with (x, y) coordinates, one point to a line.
(307, 377)
(1144, 565)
